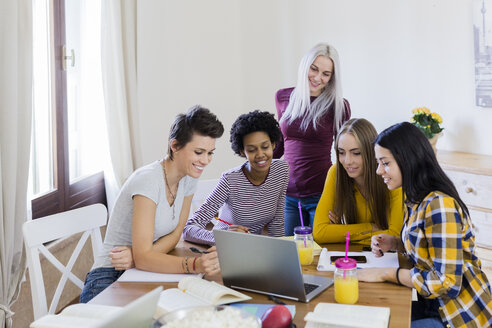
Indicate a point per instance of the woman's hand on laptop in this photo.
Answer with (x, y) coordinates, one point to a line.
(121, 258)
(238, 228)
(209, 263)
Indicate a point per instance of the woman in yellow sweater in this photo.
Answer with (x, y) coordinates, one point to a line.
(354, 198)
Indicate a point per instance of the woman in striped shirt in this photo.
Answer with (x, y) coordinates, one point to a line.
(252, 196)
(437, 235)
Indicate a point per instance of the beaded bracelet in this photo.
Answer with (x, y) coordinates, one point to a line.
(397, 276)
(186, 265)
(194, 260)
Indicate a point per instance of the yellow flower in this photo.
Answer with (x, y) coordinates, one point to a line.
(437, 117)
(427, 122)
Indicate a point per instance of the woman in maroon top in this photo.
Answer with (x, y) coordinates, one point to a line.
(309, 116)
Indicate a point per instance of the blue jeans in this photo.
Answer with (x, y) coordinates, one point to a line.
(427, 323)
(97, 280)
(425, 313)
(292, 218)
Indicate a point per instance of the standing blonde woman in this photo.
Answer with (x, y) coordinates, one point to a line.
(153, 205)
(310, 115)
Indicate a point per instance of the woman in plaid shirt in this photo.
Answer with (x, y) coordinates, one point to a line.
(437, 235)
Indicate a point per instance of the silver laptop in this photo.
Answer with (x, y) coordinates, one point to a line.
(136, 314)
(265, 265)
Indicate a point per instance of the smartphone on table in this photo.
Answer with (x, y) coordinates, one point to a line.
(358, 258)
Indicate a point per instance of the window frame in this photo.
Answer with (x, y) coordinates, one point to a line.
(84, 191)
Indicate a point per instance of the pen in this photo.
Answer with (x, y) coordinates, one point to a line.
(377, 244)
(196, 250)
(276, 300)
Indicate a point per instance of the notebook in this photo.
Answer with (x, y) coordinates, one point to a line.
(136, 314)
(333, 315)
(265, 265)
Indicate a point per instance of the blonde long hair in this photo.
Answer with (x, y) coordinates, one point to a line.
(374, 187)
(300, 99)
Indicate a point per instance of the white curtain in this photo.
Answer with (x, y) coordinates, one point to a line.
(15, 134)
(119, 66)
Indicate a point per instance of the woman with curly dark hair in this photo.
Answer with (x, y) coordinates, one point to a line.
(252, 195)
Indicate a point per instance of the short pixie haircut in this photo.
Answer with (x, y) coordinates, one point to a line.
(253, 122)
(197, 120)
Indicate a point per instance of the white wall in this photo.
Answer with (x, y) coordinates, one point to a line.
(232, 55)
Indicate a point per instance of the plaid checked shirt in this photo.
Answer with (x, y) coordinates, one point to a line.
(438, 237)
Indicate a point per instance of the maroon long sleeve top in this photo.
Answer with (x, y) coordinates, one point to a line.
(308, 153)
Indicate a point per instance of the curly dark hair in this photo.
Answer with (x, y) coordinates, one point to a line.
(252, 122)
(197, 120)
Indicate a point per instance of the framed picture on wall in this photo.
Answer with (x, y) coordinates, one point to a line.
(482, 36)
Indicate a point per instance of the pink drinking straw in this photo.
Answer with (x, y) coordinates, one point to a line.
(347, 238)
(302, 221)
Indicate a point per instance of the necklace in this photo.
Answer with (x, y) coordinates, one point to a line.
(173, 196)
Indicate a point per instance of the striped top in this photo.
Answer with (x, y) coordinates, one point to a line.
(243, 203)
(439, 238)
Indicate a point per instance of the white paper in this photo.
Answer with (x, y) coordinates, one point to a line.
(388, 260)
(343, 315)
(136, 275)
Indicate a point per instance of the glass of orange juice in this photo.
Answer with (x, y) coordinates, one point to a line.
(346, 282)
(303, 237)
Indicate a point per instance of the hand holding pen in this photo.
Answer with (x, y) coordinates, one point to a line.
(234, 227)
(208, 262)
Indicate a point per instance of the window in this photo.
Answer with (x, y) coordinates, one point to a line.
(69, 144)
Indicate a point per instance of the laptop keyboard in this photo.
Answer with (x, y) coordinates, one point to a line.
(309, 287)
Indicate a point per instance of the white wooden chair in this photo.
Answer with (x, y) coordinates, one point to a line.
(204, 188)
(88, 220)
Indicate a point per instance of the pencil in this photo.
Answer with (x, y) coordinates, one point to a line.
(228, 223)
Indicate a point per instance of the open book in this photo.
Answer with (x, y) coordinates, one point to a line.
(331, 315)
(194, 291)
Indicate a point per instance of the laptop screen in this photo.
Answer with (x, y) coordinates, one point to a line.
(262, 264)
(138, 313)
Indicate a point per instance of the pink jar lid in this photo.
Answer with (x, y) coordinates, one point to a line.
(341, 263)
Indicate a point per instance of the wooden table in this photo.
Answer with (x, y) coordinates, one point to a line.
(397, 298)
